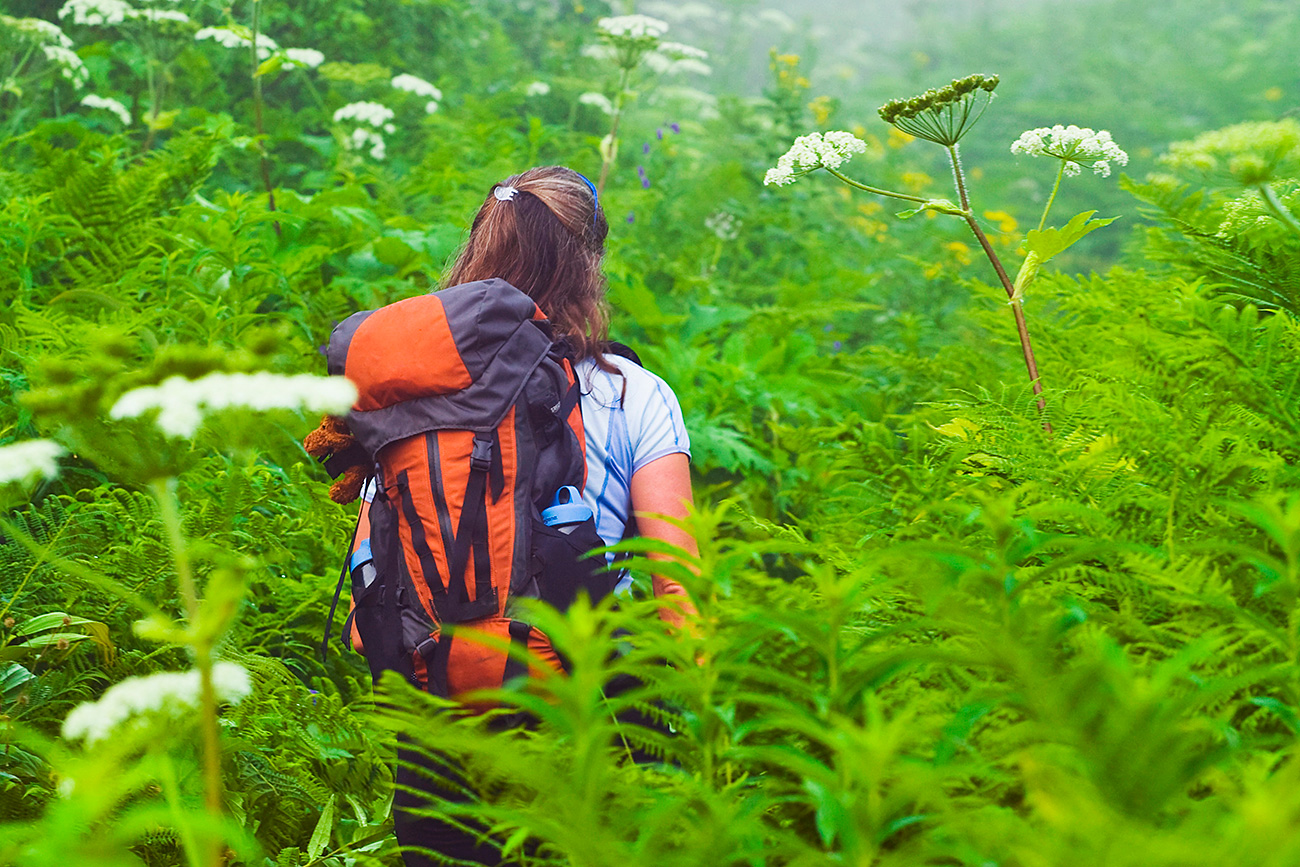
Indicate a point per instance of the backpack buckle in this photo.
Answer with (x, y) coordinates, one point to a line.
(481, 456)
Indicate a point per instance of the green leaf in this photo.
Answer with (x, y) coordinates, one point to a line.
(320, 837)
(1052, 241)
(270, 66)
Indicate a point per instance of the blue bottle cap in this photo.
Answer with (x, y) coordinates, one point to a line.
(566, 508)
(360, 555)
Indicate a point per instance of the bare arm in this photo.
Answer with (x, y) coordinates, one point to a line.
(663, 487)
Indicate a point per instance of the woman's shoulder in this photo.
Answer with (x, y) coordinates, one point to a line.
(628, 382)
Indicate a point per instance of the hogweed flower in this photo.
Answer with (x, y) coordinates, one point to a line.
(1077, 147)
(599, 100)
(307, 58)
(107, 103)
(814, 151)
(723, 224)
(238, 36)
(36, 29)
(175, 693)
(415, 84)
(182, 403)
(69, 63)
(96, 13)
(631, 37)
(374, 113)
(944, 115)
(537, 88)
(22, 461)
(1245, 154)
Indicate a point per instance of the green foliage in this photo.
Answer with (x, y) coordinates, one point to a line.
(930, 633)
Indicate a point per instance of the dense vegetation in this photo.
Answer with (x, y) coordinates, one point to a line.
(938, 625)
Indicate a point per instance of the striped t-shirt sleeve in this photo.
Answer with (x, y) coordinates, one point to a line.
(654, 419)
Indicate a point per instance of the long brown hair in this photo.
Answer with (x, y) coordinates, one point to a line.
(547, 241)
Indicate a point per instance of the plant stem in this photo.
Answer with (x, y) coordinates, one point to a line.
(876, 190)
(1279, 210)
(257, 119)
(1060, 173)
(1022, 328)
(613, 132)
(202, 660)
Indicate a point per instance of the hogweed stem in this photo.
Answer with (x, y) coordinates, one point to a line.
(1017, 306)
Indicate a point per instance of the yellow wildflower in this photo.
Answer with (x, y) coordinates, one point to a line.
(1273, 94)
(960, 251)
(821, 109)
(898, 138)
(916, 181)
(1006, 222)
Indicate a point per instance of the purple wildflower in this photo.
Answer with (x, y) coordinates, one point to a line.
(676, 127)
(837, 345)
(645, 183)
(645, 148)
(640, 172)
(630, 216)
(659, 133)
(827, 328)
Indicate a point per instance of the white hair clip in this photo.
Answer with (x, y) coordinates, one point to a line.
(504, 193)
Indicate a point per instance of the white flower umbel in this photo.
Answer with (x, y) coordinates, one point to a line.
(182, 403)
(108, 104)
(814, 151)
(96, 13)
(599, 100)
(537, 88)
(173, 693)
(238, 37)
(363, 139)
(36, 29)
(157, 15)
(632, 26)
(23, 461)
(308, 58)
(374, 113)
(1077, 146)
(415, 84)
(724, 225)
(70, 65)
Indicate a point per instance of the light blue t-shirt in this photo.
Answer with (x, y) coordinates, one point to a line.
(629, 421)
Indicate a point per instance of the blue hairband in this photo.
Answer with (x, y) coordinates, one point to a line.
(595, 197)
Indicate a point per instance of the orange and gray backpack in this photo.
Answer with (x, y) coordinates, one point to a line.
(468, 416)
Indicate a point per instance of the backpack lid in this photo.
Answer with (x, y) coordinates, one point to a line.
(454, 359)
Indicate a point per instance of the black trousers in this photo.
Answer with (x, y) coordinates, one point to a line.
(422, 779)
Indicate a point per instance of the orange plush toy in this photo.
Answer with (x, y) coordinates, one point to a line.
(345, 460)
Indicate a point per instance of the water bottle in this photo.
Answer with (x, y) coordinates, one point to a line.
(362, 566)
(566, 511)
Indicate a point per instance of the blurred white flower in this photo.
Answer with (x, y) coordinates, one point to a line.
(71, 66)
(374, 113)
(416, 85)
(777, 18)
(537, 88)
(38, 29)
(108, 104)
(309, 58)
(96, 12)
(682, 11)
(669, 66)
(175, 693)
(599, 51)
(159, 15)
(681, 51)
(182, 403)
(632, 26)
(431, 106)
(364, 139)
(724, 225)
(814, 151)
(599, 100)
(238, 37)
(1077, 146)
(20, 462)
